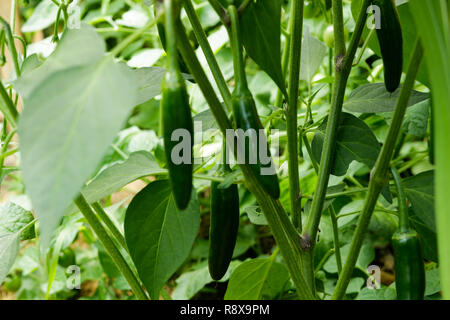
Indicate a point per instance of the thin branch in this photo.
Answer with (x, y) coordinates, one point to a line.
(379, 176)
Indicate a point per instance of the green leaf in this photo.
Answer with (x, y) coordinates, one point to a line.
(415, 122)
(9, 248)
(13, 218)
(260, 27)
(6, 171)
(255, 215)
(373, 98)
(76, 48)
(355, 141)
(257, 279)
(386, 293)
(433, 282)
(364, 259)
(159, 236)
(138, 165)
(313, 52)
(69, 120)
(420, 191)
(190, 283)
(207, 119)
(149, 83)
(428, 238)
(43, 16)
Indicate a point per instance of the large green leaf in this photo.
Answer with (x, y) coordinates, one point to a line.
(139, 164)
(69, 120)
(261, 33)
(9, 248)
(432, 23)
(77, 47)
(158, 235)
(257, 279)
(373, 97)
(355, 141)
(13, 218)
(420, 191)
(409, 33)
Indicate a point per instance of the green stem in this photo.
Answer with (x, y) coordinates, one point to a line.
(131, 38)
(110, 247)
(5, 145)
(342, 74)
(332, 212)
(11, 45)
(291, 114)
(110, 224)
(284, 232)
(8, 153)
(13, 15)
(379, 173)
(323, 260)
(338, 27)
(337, 247)
(219, 10)
(285, 57)
(240, 77)
(7, 107)
(209, 54)
(402, 208)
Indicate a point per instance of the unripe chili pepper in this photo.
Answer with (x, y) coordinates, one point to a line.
(391, 43)
(224, 225)
(409, 266)
(176, 116)
(246, 117)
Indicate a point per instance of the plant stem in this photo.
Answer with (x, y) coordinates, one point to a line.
(337, 247)
(4, 147)
(132, 37)
(338, 27)
(379, 173)
(219, 10)
(110, 247)
(291, 113)
(240, 78)
(209, 54)
(11, 46)
(8, 153)
(402, 208)
(285, 57)
(342, 73)
(7, 107)
(332, 212)
(284, 232)
(110, 224)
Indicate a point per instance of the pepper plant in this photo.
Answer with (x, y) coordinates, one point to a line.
(348, 101)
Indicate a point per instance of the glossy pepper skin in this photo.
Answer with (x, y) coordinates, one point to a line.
(409, 267)
(223, 230)
(176, 121)
(246, 118)
(391, 43)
